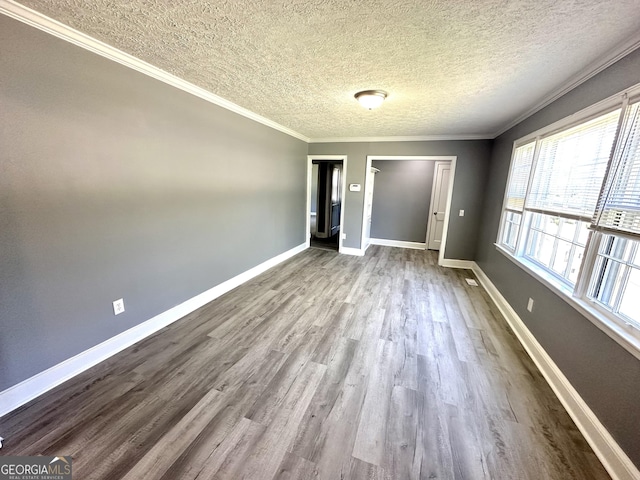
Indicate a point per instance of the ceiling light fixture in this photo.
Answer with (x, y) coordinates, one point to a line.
(371, 98)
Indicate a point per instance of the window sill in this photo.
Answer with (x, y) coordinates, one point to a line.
(626, 335)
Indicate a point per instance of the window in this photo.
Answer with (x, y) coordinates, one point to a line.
(557, 244)
(571, 166)
(619, 205)
(616, 280)
(552, 193)
(519, 177)
(571, 213)
(512, 227)
(516, 191)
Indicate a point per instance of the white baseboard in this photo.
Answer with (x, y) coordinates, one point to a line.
(452, 263)
(358, 252)
(397, 243)
(40, 383)
(614, 459)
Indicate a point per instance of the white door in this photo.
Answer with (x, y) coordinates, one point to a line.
(369, 204)
(438, 205)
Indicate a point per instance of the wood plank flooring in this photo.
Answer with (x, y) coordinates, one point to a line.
(325, 367)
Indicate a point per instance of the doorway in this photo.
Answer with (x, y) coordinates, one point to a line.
(445, 190)
(326, 177)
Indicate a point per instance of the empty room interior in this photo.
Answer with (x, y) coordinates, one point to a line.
(292, 239)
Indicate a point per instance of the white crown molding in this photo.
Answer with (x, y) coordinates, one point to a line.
(614, 459)
(37, 20)
(419, 138)
(602, 63)
(32, 387)
(64, 32)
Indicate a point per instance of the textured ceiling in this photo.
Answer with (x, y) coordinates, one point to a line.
(450, 67)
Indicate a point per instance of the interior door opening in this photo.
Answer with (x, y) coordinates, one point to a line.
(326, 203)
(437, 230)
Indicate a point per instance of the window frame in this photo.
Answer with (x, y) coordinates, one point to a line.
(616, 325)
(573, 245)
(517, 144)
(627, 266)
(504, 228)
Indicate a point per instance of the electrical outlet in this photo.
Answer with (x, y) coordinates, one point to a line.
(118, 306)
(344, 236)
(461, 213)
(530, 305)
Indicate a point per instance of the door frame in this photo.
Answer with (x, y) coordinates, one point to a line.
(307, 231)
(437, 158)
(430, 222)
(371, 172)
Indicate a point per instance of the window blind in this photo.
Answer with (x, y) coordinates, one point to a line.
(619, 207)
(519, 177)
(571, 167)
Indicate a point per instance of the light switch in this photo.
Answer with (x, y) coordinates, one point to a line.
(461, 213)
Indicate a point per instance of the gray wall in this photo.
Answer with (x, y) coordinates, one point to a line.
(468, 189)
(401, 198)
(115, 185)
(606, 375)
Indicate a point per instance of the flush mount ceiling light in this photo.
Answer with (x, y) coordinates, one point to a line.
(371, 98)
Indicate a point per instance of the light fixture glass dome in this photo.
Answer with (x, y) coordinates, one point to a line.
(371, 99)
